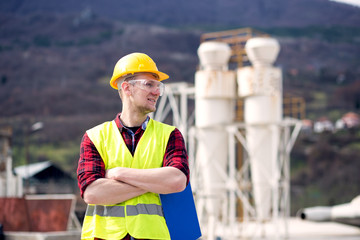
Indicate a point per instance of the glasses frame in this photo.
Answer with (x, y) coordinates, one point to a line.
(148, 85)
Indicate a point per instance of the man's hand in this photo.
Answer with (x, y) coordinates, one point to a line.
(114, 173)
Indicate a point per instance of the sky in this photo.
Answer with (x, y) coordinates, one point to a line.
(352, 2)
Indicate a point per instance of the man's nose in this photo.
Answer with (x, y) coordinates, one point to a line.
(156, 91)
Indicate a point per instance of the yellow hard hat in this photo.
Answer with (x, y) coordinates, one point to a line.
(135, 63)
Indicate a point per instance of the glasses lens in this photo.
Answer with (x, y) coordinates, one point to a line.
(150, 85)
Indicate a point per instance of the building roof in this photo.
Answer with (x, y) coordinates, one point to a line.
(352, 115)
(40, 170)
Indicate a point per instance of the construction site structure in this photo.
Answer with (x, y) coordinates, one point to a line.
(236, 40)
(240, 170)
(215, 91)
(293, 106)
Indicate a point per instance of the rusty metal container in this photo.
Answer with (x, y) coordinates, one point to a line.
(37, 213)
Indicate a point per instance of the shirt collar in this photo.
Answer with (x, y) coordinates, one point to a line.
(120, 125)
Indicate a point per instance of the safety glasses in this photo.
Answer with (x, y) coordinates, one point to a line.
(148, 85)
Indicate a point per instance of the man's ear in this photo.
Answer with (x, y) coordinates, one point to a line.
(125, 86)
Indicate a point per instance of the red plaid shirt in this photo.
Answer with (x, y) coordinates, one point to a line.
(91, 166)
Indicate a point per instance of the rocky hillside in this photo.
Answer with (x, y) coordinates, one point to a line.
(56, 59)
(209, 13)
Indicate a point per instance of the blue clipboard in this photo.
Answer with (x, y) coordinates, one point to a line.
(180, 215)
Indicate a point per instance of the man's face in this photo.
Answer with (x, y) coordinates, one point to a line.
(144, 92)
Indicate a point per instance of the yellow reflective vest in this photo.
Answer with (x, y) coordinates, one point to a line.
(142, 216)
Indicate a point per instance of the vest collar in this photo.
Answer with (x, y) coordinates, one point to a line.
(121, 126)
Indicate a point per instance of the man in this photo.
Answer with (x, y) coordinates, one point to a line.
(125, 164)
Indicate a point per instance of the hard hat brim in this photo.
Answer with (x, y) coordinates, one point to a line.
(113, 80)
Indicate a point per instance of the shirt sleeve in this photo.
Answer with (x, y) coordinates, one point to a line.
(91, 166)
(176, 154)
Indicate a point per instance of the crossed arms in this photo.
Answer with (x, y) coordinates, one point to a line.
(121, 184)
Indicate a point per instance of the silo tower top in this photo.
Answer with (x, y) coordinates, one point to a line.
(214, 55)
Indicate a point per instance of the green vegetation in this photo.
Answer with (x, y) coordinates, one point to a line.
(120, 32)
(101, 37)
(65, 43)
(65, 154)
(5, 47)
(333, 115)
(324, 169)
(354, 147)
(42, 41)
(88, 41)
(319, 101)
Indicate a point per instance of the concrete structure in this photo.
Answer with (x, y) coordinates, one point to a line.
(221, 181)
(261, 87)
(215, 92)
(10, 184)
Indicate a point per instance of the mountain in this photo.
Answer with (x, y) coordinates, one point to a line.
(218, 13)
(56, 59)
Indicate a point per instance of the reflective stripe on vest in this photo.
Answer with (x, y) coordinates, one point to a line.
(119, 211)
(105, 211)
(150, 209)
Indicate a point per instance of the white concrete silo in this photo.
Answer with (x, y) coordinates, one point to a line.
(215, 90)
(261, 87)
